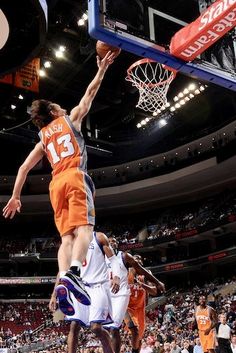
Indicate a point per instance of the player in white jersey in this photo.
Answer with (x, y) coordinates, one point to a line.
(121, 299)
(94, 274)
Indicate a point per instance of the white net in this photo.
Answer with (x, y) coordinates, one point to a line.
(152, 80)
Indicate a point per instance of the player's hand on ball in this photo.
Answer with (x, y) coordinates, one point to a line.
(115, 284)
(106, 61)
(11, 207)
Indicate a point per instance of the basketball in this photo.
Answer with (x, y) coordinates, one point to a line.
(103, 48)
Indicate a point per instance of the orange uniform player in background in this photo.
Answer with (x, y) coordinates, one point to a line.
(137, 303)
(135, 315)
(206, 320)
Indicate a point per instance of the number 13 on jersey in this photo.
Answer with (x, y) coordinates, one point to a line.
(68, 148)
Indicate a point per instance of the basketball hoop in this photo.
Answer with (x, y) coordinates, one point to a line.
(152, 80)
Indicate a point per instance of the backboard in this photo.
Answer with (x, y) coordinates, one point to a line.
(145, 28)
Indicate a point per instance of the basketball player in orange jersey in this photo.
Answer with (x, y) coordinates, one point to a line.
(71, 188)
(206, 320)
(135, 315)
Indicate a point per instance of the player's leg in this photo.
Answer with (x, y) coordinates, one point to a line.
(119, 307)
(72, 339)
(132, 324)
(82, 218)
(100, 312)
(103, 336)
(65, 252)
(135, 341)
(61, 218)
(211, 341)
(83, 237)
(115, 339)
(78, 319)
(203, 340)
(71, 280)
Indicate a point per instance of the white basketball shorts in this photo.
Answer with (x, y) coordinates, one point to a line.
(119, 307)
(100, 310)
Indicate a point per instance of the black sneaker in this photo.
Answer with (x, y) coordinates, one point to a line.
(74, 284)
(64, 300)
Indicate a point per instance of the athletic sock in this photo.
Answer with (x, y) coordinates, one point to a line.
(75, 267)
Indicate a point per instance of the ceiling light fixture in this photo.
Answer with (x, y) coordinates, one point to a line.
(85, 17)
(163, 122)
(42, 73)
(59, 54)
(81, 22)
(192, 87)
(47, 64)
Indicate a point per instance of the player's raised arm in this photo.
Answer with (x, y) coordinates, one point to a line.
(115, 267)
(140, 270)
(78, 113)
(14, 204)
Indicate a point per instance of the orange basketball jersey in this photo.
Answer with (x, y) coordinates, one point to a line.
(64, 145)
(203, 318)
(137, 293)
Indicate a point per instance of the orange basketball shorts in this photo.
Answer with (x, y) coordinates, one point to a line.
(135, 317)
(207, 341)
(72, 198)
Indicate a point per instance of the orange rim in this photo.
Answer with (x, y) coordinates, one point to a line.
(145, 61)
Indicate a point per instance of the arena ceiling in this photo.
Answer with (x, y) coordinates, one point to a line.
(110, 129)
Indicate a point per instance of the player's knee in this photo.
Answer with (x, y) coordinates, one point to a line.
(85, 231)
(97, 329)
(67, 240)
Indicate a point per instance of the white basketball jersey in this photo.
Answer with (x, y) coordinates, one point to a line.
(124, 286)
(94, 268)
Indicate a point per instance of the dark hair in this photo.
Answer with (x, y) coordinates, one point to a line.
(40, 113)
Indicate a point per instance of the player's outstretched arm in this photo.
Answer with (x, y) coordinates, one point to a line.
(131, 262)
(115, 266)
(14, 204)
(79, 112)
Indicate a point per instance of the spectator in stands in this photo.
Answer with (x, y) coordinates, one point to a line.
(167, 347)
(158, 347)
(197, 348)
(233, 343)
(185, 347)
(174, 347)
(145, 348)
